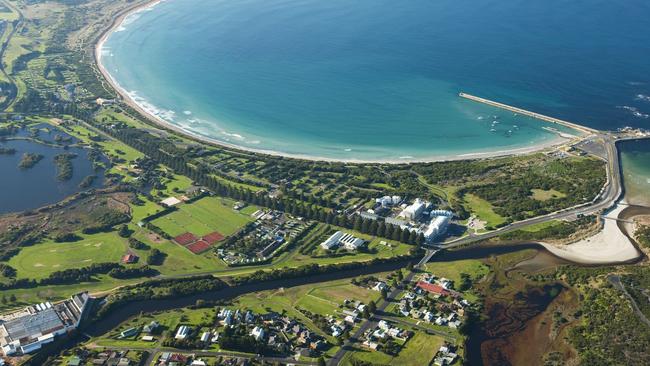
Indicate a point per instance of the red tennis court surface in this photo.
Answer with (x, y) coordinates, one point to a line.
(198, 247)
(213, 238)
(185, 239)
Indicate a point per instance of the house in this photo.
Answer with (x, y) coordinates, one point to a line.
(336, 331)
(147, 338)
(428, 316)
(198, 362)
(129, 333)
(177, 358)
(170, 201)
(205, 336)
(151, 327)
(380, 286)
(257, 333)
(379, 333)
(432, 289)
(130, 259)
(183, 332)
(383, 325)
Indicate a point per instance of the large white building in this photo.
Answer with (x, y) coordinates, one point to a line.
(28, 330)
(438, 226)
(348, 241)
(388, 201)
(415, 210)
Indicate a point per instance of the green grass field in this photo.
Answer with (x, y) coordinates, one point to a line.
(39, 260)
(419, 350)
(168, 320)
(203, 217)
(483, 210)
(545, 195)
(452, 270)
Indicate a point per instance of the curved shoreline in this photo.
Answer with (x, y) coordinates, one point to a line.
(558, 140)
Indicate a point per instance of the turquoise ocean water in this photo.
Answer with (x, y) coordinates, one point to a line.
(378, 79)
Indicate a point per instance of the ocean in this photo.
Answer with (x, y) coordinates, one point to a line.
(379, 79)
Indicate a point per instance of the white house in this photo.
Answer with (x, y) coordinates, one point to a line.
(183, 332)
(257, 333)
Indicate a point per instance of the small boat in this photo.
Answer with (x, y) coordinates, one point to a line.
(493, 130)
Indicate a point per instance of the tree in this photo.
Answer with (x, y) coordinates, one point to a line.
(4, 300)
(400, 276)
(465, 282)
(357, 223)
(384, 293)
(372, 307)
(124, 231)
(366, 313)
(12, 298)
(321, 361)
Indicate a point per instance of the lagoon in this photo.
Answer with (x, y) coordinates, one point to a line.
(26, 189)
(378, 80)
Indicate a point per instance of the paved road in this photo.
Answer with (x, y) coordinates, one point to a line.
(427, 330)
(381, 309)
(604, 201)
(205, 353)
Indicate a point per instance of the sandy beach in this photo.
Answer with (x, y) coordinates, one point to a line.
(559, 139)
(609, 246)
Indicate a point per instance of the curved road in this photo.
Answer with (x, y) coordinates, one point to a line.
(608, 197)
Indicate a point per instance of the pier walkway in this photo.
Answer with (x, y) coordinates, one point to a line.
(542, 117)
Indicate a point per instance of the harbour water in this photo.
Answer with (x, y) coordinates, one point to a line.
(379, 80)
(635, 161)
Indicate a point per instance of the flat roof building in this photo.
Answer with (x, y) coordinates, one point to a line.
(438, 226)
(415, 210)
(348, 241)
(30, 329)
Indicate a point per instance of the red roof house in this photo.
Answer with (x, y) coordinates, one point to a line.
(130, 258)
(432, 288)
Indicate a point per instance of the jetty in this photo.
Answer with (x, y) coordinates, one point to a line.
(524, 112)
